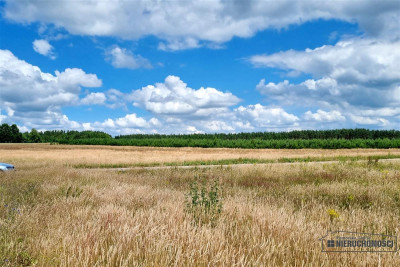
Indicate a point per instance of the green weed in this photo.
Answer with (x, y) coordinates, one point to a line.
(203, 202)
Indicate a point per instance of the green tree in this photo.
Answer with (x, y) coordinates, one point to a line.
(34, 136)
(16, 135)
(5, 133)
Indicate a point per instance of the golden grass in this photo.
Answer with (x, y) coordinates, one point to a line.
(54, 215)
(71, 154)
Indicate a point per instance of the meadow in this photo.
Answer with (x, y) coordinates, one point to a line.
(60, 208)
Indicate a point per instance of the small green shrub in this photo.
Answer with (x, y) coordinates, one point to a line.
(203, 202)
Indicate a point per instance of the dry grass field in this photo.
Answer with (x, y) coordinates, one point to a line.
(74, 154)
(52, 214)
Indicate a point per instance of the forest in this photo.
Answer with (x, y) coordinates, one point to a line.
(11, 134)
(327, 139)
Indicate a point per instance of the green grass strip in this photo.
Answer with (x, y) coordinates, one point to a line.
(235, 161)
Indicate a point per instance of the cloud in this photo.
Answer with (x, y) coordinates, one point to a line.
(72, 79)
(132, 121)
(94, 99)
(243, 118)
(369, 62)
(353, 77)
(116, 99)
(264, 117)
(181, 109)
(324, 116)
(174, 97)
(218, 126)
(123, 58)
(35, 98)
(44, 48)
(191, 24)
(129, 124)
(47, 120)
(179, 44)
(369, 121)
(193, 130)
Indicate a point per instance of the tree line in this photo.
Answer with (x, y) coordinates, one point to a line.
(347, 134)
(246, 143)
(326, 139)
(11, 134)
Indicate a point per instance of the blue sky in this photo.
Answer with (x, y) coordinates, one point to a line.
(199, 66)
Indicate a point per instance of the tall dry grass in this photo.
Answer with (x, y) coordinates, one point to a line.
(55, 215)
(71, 154)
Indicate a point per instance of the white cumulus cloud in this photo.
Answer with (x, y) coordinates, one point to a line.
(369, 121)
(174, 97)
(353, 77)
(44, 48)
(34, 97)
(190, 24)
(324, 116)
(123, 58)
(362, 61)
(94, 99)
(129, 124)
(264, 117)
